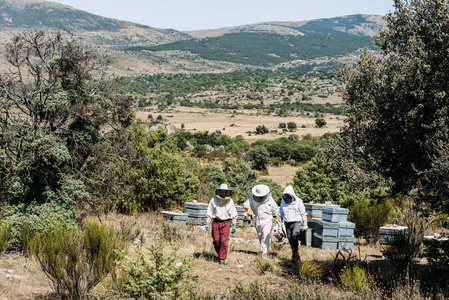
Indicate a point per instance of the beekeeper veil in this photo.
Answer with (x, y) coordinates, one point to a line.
(223, 193)
(261, 193)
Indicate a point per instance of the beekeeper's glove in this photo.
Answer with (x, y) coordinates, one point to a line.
(234, 228)
(278, 221)
(207, 226)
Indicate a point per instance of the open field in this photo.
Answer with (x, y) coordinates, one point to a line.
(243, 122)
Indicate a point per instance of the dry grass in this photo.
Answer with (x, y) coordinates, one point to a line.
(21, 278)
(243, 123)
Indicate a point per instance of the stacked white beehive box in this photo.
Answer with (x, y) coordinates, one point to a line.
(197, 213)
(332, 230)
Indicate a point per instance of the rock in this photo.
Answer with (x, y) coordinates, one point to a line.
(189, 147)
(171, 129)
(220, 148)
(156, 127)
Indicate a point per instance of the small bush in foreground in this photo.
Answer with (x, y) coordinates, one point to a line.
(356, 279)
(265, 266)
(163, 277)
(310, 269)
(5, 234)
(76, 259)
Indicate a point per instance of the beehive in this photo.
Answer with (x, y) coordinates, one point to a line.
(177, 218)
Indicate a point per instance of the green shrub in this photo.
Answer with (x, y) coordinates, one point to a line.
(310, 269)
(368, 216)
(291, 126)
(75, 259)
(265, 265)
(258, 157)
(5, 234)
(356, 279)
(262, 129)
(406, 248)
(34, 217)
(162, 277)
(320, 122)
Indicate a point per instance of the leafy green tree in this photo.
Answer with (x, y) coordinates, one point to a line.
(138, 171)
(291, 126)
(259, 157)
(320, 122)
(51, 115)
(303, 153)
(262, 129)
(397, 103)
(318, 182)
(240, 177)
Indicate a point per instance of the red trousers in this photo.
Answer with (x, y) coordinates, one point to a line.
(220, 234)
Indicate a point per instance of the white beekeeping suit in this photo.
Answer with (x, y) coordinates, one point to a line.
(292, 208)
(263, 206)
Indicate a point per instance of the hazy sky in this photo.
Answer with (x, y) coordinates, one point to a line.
(187, 15)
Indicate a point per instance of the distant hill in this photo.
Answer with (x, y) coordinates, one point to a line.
(359, 25)
(267, 49)
(136, 49)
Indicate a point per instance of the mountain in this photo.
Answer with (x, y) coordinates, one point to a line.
(136, 49)
(359, 25)
(17, 15)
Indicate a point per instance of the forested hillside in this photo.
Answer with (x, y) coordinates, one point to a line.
(256, 45)
(261, 49)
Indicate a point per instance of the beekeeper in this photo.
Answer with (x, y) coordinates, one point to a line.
(223, 214)
(293, 214)
(263, 207)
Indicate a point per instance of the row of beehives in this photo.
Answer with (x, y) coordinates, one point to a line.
(328, 225)
(195, 214)
(329, 228)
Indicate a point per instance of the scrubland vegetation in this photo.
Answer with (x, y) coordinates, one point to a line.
(82, 180)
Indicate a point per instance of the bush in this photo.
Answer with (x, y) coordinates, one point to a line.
(369, 216)
(311, 269)
(34, 217)
(291, 126)
(265, 266)
(303, 153)
(259, 157)
(320, 122)
(162, 277)
(5, 234)
(406, 248)
(261, 129)
(75, 259)
(356, 279)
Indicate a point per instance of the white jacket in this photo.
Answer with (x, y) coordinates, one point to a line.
(223, 210)
(263, 211)
(294, 211)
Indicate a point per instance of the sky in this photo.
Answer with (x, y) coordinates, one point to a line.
(185, 15)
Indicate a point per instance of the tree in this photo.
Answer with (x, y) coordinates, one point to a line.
(320, 122)
(259, 157)
(261, 129)
(291, 126)
(51, 113)
(397, 102)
